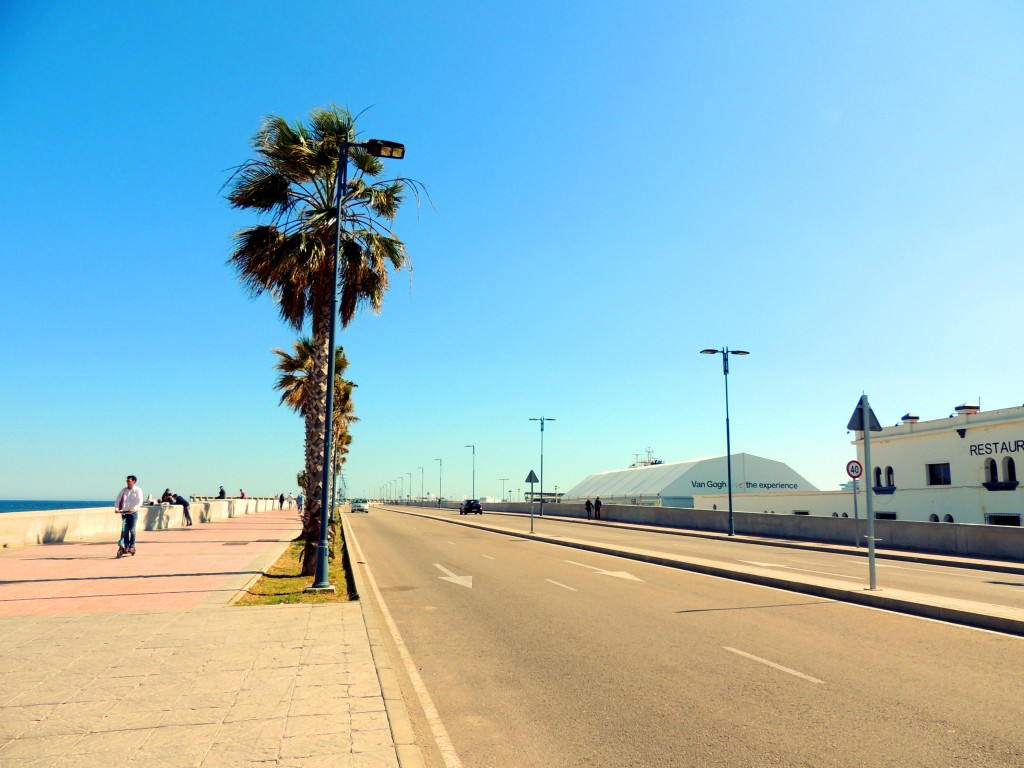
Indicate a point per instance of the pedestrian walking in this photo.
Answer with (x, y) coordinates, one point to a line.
(590, 508)
(597, 508)
(291, 500)
(280, 500)
(127, 505)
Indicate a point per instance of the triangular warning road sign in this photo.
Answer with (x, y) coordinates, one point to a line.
(857, 420)
(531, 478)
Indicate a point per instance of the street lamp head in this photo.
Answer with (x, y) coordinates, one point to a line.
(382, 148)
(738, 352)
(710, 351)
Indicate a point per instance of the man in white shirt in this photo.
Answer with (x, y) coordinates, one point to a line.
(127, 505)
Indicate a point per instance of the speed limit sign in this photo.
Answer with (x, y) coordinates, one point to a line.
(854, 469)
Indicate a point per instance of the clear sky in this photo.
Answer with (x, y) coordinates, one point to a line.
(836, 187)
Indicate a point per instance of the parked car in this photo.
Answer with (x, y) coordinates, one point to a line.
(471, 507)
(360, 505)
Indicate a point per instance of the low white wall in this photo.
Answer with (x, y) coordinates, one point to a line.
(18, 529)
(970, 540)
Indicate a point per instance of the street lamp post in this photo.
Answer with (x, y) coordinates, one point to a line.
(542, 419)
(410, 485)
(725, 352)
(440, 471)
(503, 479)
(401, 488)
(421, 482)
(474, 469)
(377, 148)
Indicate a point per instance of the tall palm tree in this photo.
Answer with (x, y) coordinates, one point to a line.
(295, 371)
(291, 183)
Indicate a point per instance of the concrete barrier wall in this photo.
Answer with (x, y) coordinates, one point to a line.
(969, 540)
(18, 529)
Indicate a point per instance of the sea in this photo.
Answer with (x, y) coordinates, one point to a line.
(18, 505)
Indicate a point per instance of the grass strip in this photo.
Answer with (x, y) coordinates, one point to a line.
(284, 582)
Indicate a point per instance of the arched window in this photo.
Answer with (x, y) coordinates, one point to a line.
(1009, 470)
(890, 477)
(845, 515)
(878, 477)
(991, 471)
(933, 518)
(947, 518)
(835, 514)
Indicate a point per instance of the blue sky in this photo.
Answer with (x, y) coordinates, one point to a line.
(835, 187)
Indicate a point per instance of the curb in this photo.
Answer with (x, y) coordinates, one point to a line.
(402, 732)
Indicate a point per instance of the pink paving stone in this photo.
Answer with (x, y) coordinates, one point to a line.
(174, 569)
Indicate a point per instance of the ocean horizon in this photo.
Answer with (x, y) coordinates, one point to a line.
(37, 505)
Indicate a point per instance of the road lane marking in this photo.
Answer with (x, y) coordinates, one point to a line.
(773, 665)
(563, 586)
(487, 556)
(444, 743)
(616, 574)
(462, 581)
(806, 570)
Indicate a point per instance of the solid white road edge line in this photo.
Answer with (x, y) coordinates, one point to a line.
(772, 664)
(444, 744)
(563, 586)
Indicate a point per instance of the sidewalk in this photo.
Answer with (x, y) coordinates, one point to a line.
(140, 661)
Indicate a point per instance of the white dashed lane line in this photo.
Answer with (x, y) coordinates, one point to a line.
(773, 665)
(563, 586)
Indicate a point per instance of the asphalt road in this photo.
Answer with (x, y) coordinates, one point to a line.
(539, 655)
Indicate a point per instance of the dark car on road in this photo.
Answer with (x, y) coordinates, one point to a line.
(471, 507)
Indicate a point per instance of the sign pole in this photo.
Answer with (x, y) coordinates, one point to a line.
(871, 512)
(856, 519)
(855, 469)
(531, 479)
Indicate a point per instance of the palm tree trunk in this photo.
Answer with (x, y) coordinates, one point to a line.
(317, 418)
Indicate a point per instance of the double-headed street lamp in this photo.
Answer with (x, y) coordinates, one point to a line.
(725, 352)
(440, 470)
(474, 470)
(542, 419)
(377, 148)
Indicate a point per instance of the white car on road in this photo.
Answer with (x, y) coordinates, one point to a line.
(360, 505)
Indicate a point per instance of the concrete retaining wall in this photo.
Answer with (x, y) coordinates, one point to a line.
(994, 541)
(18, 529)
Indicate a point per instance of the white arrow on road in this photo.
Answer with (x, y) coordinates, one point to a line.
(463, 581)
(616, 574)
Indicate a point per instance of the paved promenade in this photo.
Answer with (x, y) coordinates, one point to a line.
(142, 662)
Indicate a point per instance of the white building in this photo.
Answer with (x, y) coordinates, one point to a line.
(960, 469)
(677, 484)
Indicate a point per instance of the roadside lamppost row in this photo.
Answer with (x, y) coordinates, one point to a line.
(377, 148)
(725, 352)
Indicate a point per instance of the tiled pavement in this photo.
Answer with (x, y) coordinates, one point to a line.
(141, 662)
